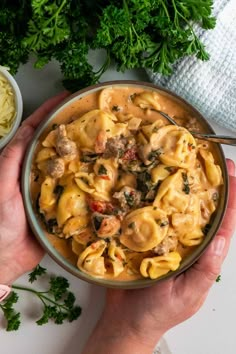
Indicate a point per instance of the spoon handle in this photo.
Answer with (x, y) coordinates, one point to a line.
(222, 139)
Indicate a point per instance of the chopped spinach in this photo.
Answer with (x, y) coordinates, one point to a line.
(102, 170)
(54, 126)
(170, 169)
(186, 188)
(215, 196)
(131, 225)
(153, 155)
(206, 229)
(144, 182)
(116, 108)
(162, 223)
(130, 198)
(58, 190)
(50, 225)
(88, 158)
(97, 222)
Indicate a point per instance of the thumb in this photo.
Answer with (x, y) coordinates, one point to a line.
(202, 275)
(11, 159)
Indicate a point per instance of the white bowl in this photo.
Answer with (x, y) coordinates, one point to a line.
(18, 106)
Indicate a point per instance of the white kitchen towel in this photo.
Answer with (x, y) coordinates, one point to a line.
(211, 85)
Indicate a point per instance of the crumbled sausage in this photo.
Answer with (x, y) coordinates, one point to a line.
(167, 245)
(115, 147)
(105, 225)
(128, 197)
(55, 167)
(100, 143)
(64, 146)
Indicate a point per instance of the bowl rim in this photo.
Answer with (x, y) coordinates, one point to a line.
(18, 106)
(35, 223)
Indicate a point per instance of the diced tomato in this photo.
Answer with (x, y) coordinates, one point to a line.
(100, 206)
(119, 257)
(130, 154)
(105, 177)
(96, 205)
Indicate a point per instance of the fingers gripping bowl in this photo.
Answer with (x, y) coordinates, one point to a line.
(115, 194)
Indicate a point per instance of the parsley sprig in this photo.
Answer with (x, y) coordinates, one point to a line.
(149, 34)
(58, 303)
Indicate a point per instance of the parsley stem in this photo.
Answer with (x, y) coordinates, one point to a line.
(165, 8)
(39, 295)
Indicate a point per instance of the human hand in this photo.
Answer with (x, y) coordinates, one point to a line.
(19, 250)
(134, 320)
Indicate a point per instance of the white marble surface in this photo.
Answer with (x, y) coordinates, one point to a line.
(211, 331)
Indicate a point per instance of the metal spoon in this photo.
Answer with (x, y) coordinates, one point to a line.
(222, 139)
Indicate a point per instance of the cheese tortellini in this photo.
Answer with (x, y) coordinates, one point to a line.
(157, 266)
(144, 228)
(130, 194)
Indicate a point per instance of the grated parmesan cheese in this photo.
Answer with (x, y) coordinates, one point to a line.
(7, 106)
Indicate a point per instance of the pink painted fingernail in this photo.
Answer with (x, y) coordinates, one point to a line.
(218, 245)
(4, 291)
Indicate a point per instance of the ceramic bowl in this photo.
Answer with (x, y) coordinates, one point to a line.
(18, 106)
(47, 242)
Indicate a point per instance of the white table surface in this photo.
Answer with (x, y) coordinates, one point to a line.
(210, 331)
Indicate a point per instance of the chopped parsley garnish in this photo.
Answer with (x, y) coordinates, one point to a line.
(218, 279)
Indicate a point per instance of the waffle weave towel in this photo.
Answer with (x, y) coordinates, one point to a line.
(210, 86)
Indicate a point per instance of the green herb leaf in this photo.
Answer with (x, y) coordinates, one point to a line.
(12, 317)
(102, 170)
(37, 272)
(154, 34)
(58, 303)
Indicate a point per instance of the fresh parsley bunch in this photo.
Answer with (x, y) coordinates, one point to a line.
(149, 34)
(57, 301)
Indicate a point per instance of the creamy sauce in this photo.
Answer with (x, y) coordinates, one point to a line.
(117, 98)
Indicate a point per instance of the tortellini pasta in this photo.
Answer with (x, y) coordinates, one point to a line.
(86, 129)
(72, 202)
(172, 196)
(157, 266)
(130, 194)
(178, 149)
(91, 259)
(144, 228)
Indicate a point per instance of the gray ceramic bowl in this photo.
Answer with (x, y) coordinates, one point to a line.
(47, 243)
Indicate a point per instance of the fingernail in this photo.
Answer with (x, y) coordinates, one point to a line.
(218, 245)
(25, 132)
